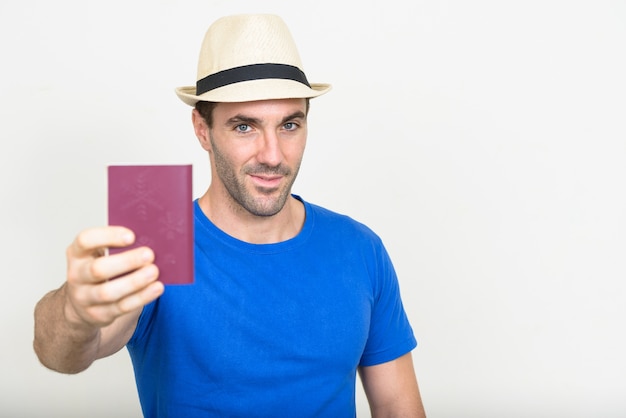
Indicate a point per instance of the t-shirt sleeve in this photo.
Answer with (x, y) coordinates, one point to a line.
(391, 335)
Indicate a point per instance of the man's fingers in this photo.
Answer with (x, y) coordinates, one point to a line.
(140, 298)
(119, 288)
(104, 268)
(89, 241)
(105, 313)
(102, 288)
(100, 303)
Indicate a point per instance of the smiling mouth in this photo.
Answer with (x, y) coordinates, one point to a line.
(266, 182)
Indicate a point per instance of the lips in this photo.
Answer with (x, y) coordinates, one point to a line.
(266, 181)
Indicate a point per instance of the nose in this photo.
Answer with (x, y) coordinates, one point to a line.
(269, 151)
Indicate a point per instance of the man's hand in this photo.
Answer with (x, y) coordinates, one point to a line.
(95, 312)
(102, 288)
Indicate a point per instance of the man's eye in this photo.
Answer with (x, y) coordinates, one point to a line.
(290, 126)
(242, 128)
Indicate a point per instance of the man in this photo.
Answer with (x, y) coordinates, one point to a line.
(290, 300)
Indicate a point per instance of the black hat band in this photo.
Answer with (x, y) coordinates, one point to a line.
(250, 72)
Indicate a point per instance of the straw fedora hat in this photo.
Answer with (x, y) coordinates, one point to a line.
(249, 57)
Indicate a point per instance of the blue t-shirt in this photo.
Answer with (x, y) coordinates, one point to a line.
(271, 330)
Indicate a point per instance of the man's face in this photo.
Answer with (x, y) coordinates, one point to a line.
(257, 148)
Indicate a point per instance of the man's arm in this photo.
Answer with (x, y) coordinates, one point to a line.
(91, 316)
(391, 389)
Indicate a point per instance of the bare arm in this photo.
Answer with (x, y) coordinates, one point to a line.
(91, 316)
(391, 389)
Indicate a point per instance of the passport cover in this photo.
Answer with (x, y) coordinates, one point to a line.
(155, 201)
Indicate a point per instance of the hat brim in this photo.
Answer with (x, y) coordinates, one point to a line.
(253, 90)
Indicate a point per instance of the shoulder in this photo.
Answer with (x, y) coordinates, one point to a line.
(340, 229)
(339, 222)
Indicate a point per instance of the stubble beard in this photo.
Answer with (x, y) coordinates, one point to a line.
(270, 202)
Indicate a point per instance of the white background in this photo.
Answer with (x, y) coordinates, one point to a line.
(485, 141)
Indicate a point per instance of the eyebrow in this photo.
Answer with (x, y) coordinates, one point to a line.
(249, 120)
(295, 115)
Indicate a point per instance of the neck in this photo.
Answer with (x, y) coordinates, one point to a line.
(245, 226)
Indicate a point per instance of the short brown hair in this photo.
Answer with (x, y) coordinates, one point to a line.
(206, 111)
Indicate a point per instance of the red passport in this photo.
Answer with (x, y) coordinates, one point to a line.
(155, 202)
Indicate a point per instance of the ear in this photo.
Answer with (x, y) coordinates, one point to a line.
(201, 129)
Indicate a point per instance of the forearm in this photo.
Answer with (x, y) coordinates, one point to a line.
(60, 344)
